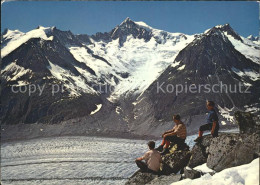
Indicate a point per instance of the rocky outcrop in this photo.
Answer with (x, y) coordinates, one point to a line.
(175, 161)
(198, 154)
(247, 122)
(231, 150)
(225, 151)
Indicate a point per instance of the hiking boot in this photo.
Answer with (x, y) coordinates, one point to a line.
(199, 139)
(165, 151)
(159, 148)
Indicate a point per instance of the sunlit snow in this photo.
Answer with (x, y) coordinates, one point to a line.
(18, 38)
(98, 108)
(247, 174)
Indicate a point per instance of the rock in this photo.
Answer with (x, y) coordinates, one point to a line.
(139, 178)
(199, 154)
(247, 122)
(162, 180)
(175, 161)
(191, 173)
(229, 150)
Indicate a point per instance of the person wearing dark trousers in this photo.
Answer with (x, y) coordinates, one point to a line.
(152, 160)
(177, 135)
(212, 122)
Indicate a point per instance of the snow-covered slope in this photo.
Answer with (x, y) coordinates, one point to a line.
(247, 47)
(142, 61)
(16, 38)
(247, 174)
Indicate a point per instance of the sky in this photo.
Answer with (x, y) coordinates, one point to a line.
(89, 17)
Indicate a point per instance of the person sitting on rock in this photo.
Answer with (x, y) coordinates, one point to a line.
(152, 160)
(212, 122)
(177, 135)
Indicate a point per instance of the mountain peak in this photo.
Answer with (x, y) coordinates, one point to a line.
(252, 38)
(129, 27)
(127, 21)
(224, 28)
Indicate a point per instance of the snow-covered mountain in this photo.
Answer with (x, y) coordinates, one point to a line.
(106, 75)
(214, 58)
(252, 38)
(133, 51)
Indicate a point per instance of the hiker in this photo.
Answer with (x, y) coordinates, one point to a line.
(177, 135)
(152, 160)
(212, 122)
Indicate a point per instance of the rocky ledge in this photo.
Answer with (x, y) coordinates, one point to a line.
(227, 150)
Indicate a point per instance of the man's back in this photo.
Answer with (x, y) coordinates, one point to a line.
(153, 159)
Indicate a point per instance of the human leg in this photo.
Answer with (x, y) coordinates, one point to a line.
(142, 165)
(203, 128)
(176, 140)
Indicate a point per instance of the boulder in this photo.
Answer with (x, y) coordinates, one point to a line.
(139, 178)
(199, 154)
(247, 122)
(229, 150)
(191, 173)
(176, 160)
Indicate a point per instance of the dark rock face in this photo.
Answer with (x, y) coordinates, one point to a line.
(191, 174)
(229, 150)
(126, 28)
(35, 55)
(84, 38)
(247, 122)
(199, 153)
(227, 28)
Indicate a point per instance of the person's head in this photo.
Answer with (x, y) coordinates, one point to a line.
(176, 118)
(210, 105)
(151, 145)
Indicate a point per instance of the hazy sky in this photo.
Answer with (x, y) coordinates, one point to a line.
(91, 17)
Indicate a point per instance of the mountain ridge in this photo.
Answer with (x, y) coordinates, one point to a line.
(114, 69)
